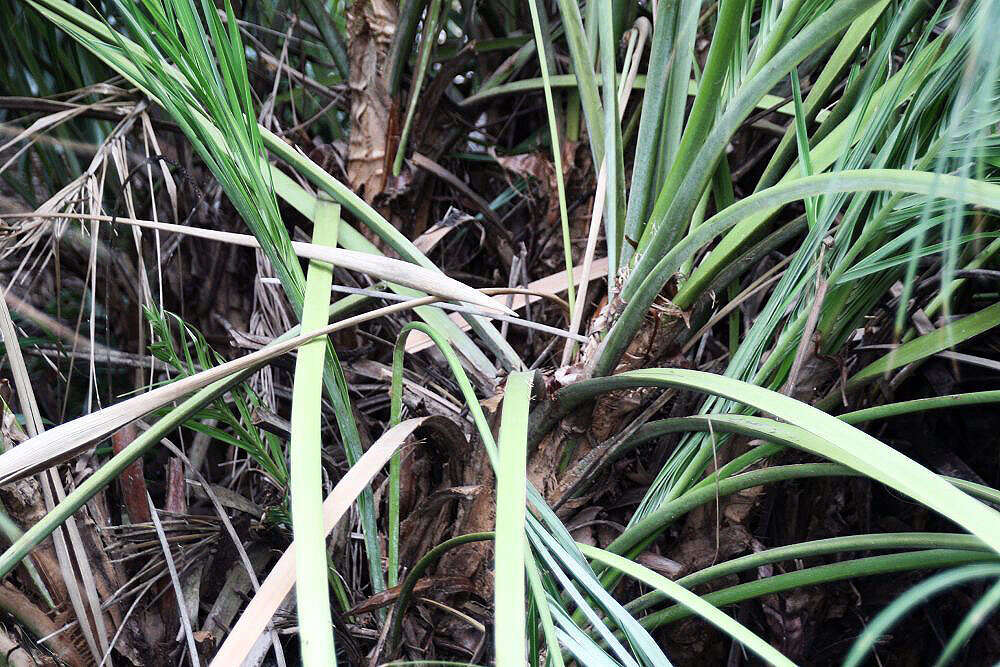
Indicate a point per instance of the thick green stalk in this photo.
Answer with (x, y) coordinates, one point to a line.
(650, 121)
(921, 405)
(395, 463)
(675, 104)
(583, 68)
(331, 38)
(614, 202)
(306, 444)
(706, 102)
(402, 42)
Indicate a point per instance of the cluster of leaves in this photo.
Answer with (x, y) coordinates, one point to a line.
(184, 348)
(882, 183)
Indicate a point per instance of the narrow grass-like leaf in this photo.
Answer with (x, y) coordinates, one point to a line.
(688, 599)
(580, 646)
(705, 107)
(556, 148)
(812, 549)
(76, 435)
(542, 605)
(680, 86)
(306, 445)
(854, 36)
(824, 154)
(280, 579)
(979, 614)
(614, 204)
(700, 148)
(583, 70)
(661, 59)
(905, 602)
(856, 448)
(645, 287)
(928, 559)
(802, 141)
(564, 564)
(924, 347)
(427, 42)
(509, 550)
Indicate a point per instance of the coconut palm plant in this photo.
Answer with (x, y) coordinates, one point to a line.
(774, 224)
